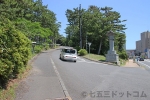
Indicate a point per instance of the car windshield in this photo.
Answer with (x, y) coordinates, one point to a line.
(70, 51)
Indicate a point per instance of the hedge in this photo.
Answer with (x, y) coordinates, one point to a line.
(14, 50)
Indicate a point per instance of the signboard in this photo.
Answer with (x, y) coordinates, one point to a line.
(145, 50)
(89, 44)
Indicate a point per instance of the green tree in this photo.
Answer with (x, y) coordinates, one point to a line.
(23, 21)
(96, 22)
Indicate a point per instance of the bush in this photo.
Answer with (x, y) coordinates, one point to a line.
(82, 52)
(46, 46)
(123, 55)
(37, 49)
(15, 50)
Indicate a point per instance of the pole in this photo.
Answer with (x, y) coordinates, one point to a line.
(89, 49)
(86, 41)
(80, 18)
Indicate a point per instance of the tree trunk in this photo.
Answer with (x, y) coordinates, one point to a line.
(100, 44)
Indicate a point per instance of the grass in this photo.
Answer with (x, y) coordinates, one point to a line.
(102, 58)
(10, 92)
(122, 62)
(95, 57)
(24, 72)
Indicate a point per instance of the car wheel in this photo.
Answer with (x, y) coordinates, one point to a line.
(60, 57)
(75, 61)
(63, 58)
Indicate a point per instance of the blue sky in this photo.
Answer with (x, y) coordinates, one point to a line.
(136, 12)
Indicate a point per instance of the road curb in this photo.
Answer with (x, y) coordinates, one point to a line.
(109, 63)
(143, 65)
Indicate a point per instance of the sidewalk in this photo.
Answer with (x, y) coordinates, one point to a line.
(130, 63)
(42, 82)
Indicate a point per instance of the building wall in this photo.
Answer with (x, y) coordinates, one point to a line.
(145, 42)
(148, 43)
(130, 53)
(138, 46)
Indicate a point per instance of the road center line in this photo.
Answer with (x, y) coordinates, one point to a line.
(60, 80)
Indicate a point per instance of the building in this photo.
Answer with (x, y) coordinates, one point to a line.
(139, 46)
(148, 43)
(144, 43)
(130, 53)
(148, 53)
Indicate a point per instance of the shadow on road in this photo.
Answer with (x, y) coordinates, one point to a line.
(67, 61)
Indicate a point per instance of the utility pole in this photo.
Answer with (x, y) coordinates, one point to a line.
(80, 19)
(86, 41)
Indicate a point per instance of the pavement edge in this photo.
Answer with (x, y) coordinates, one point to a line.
(109, 63)
(61, 82)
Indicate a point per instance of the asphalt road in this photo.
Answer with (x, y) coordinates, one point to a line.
(145, 63)
(42, 83)
(87, 80)
(83, 80)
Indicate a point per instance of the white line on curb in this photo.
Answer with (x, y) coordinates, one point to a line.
(144, 64)
(60, 80)
(147, 60)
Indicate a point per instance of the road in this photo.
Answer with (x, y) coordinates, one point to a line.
(145, 63)
(85, 80)
(42, 82)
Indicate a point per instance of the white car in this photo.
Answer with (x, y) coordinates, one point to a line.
(68, 54)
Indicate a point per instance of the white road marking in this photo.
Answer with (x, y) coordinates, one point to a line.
(96, 63)
(80, 59)
(147, 60)
(144, 64)
(92, 62)
(60, 79)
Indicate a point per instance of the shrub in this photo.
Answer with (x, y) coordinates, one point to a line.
(46, 46)
(37, 49)
(123, 55)
(82, 52)
(15, 50)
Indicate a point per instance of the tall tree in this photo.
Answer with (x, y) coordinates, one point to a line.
(96, 22)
